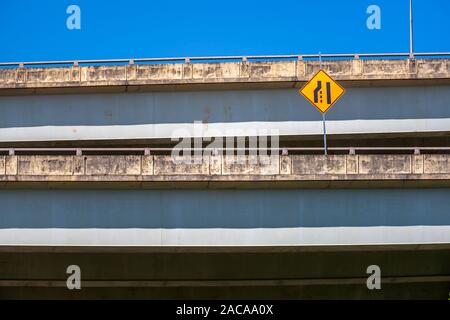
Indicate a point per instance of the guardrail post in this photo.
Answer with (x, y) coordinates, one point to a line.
(352, 151)
(11, 152)
(416, 151)
(79, 152)
(146, 151)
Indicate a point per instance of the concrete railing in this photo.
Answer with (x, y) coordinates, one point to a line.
(224, 168)
(285, 71)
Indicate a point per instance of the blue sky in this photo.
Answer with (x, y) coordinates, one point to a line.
(36, 30)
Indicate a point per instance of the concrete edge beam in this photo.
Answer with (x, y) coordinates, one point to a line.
(134, 77)
(143, 171)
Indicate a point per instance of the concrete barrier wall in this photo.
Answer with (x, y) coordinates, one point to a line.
(265, 168)
(202, 73)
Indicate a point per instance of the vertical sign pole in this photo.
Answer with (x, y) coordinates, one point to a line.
(411, 38)
(324, 134)
(323, 118)
(313, 91)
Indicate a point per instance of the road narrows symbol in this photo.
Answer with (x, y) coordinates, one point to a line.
(322, 91)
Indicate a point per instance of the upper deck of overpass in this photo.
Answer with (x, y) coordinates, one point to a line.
(231, 74)
(144, 102)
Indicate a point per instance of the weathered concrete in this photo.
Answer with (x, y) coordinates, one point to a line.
(428, 168)
(269, 74)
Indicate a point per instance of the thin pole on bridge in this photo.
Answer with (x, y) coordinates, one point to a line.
(323, 118)
(324, 134)
(411, 38)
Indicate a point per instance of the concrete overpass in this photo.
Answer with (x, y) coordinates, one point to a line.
(142, 103)
(297, 225)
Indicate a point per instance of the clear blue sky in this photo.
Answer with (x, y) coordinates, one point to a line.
(36, 29)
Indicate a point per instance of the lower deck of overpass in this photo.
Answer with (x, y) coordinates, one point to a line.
(259, 243)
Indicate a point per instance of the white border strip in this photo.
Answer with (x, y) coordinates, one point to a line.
(228, 237)
(164, 131)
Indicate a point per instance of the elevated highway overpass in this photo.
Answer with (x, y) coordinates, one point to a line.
(297, 225)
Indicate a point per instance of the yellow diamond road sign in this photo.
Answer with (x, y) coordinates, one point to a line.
(322, 91)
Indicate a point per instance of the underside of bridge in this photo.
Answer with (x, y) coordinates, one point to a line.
(281, 272)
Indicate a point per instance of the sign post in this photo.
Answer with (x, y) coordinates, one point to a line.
(324, 134)
(322, 92)
(411, 36)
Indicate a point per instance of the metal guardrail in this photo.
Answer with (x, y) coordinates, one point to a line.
(283, 151)
(226, 58)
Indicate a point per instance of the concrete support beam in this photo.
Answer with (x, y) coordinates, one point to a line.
(294, 272)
